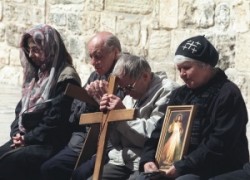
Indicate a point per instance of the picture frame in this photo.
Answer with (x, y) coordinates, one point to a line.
(175, 134)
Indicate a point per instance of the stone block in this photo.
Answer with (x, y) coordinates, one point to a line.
(222, 16)
(128, 31)
(20, 13)
(4, 55)
(10, 75)
(168, 13)
(196, 14)
(59, 19)
(1, 11)
(76, 46)
(84, 70)
(130, 6)
(15, 57)
(94, 5)
(65, 1)
(225, 45)
(242, 54)
(2, 33)
(90, 22)
(241, 14)
(73, 23)
(240, 79)
(108, 22)
(159, 45)
(14, 33)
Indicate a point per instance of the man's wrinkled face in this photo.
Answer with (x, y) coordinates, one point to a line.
(136, 88)
(101, 58)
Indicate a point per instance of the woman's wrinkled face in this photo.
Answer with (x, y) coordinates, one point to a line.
(193, 74)
(36, 54)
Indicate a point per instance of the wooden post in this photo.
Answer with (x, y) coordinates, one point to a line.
(104, 118)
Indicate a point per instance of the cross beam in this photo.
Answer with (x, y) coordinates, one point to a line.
(103, 118)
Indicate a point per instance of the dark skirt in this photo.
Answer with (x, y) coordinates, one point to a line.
(23, 163)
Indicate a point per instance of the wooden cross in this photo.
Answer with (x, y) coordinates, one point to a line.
(103, 118)
(93, 132)
(79, 93)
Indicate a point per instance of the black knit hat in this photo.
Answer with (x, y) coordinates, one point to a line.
(200, 49)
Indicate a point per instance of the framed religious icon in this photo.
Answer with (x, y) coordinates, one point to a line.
(175, 134)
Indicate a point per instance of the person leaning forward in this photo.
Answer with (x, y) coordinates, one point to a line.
(218, 141)
(104, 49)
(146, 92)
(41, 126)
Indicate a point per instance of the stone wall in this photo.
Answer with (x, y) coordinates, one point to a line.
(151, 28)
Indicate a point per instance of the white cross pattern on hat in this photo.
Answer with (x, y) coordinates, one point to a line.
(191, 45)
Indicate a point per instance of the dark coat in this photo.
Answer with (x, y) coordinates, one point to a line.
(218, 141)
(47, 132)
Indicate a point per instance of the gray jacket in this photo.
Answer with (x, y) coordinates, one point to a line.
(128, 137)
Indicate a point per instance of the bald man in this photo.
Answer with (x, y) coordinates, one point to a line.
(104, 49)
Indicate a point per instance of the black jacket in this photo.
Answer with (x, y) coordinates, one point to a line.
(219, 144)
(50, 127)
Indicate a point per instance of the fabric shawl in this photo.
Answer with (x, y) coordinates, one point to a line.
(39, 82)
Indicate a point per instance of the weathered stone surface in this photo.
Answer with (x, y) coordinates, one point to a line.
(168, 14)
(198, 13)
(11, 75)
(20, 13)
(66, 1)
(14, 34)
(152, 29)
(241, 14)
(1, 11)
(2, 32)
(240, 80)
(91, 22)
(94, 5)
(226, 47)
(159, 45)
(4, 55)
(129, 32)
(242, 55)
(130, 6)
(15, 57)
(59, 19)
(204, 13)
(222, 16)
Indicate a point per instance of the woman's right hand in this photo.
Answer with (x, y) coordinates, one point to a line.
(150, 167)
(18, 140)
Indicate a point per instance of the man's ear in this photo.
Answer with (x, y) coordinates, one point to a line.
(117, 53)
(146, 75)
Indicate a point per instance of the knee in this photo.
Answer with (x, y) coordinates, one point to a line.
(50, 167)
(46, 168)
(84, 171)
(79, 175)
(188, 177)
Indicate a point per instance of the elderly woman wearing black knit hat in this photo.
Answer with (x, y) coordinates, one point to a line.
(218, 141)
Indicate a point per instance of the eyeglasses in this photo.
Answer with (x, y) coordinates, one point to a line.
(128, 88)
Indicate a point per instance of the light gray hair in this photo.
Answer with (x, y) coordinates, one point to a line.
(131, 65)
(178, 59)
(113, 42)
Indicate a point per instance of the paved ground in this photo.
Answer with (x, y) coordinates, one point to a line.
(9, 97)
